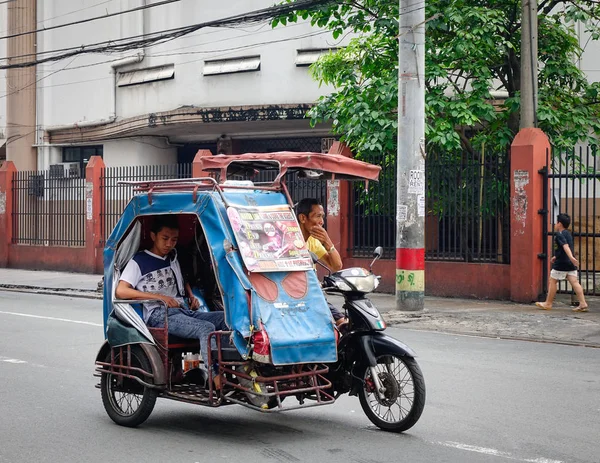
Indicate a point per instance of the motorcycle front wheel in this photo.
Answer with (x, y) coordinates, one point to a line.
(404, 397)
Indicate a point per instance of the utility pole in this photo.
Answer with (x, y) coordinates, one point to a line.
(529, 64)
(410, 195)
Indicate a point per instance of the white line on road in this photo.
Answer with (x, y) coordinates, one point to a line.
(495, 452)
(51, 318)
(20, 362)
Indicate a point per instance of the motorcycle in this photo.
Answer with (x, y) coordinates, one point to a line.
(377, 368)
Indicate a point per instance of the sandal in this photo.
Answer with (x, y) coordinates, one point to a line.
(542, 306)
(580, 309)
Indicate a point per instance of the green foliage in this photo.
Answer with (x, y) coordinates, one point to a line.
(472, 48)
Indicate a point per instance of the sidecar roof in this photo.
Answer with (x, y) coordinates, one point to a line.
(315, 165)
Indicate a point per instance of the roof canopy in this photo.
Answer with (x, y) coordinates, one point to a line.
(312, 165)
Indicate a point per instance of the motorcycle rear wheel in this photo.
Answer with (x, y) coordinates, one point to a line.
(404, 398)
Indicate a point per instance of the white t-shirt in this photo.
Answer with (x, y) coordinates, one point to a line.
(150, 273)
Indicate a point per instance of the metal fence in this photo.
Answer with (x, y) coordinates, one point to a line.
(114, 197)
(467, 209)
(467, 203)
(48, 209)
(573, 188)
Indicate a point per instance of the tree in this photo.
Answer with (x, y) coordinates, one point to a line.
(472, 50)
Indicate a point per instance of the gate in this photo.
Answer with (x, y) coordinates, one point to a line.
(571, 179)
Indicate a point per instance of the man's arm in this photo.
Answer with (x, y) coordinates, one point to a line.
(570, 255)
(126, 291)
(332, 258)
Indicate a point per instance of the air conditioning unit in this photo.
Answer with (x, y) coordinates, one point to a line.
(69, 170)
(57, 171)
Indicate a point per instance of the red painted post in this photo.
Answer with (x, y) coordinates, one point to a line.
(527, 156)
(197, 171)
(339, 207)
(93, 203)
(6, 203)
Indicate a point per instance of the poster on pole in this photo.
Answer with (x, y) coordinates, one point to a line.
(269, 238)
(416, 182)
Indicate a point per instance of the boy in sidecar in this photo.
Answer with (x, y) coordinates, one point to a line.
(156, 274)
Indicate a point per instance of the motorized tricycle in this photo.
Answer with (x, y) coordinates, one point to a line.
(243, 251)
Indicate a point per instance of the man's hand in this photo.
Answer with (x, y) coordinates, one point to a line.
(194, 303)
(320, 234)
(170, 301)
(574, 261)
(553, 260)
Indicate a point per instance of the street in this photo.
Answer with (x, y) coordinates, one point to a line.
(488, 400)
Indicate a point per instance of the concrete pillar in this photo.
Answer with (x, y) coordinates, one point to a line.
(197, 171)
(6, 203)
(93, 206)
(527, 156)
(339, 207)
(21, 85)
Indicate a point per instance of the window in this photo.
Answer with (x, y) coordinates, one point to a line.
(81, 155)
(232, 65)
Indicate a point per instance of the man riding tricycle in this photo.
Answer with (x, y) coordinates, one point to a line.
(211, 297)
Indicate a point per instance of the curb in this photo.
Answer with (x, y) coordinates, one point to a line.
(69, 292)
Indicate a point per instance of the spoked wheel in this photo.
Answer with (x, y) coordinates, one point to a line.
(126, 401)
(404, 398)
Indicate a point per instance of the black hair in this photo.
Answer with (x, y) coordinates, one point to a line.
(164, 221)
(564, 219)
(305, 206)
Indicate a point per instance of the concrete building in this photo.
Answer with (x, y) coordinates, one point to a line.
(240, 88)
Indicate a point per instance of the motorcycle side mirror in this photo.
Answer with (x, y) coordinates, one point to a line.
(316, 260)
(376, 255)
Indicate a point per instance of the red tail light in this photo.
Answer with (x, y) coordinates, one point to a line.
(262, 346)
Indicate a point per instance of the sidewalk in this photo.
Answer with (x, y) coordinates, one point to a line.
(498, 319)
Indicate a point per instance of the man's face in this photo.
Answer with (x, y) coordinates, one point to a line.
(315, 218)
(164, 240)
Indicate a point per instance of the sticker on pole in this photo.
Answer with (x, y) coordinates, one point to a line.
(401, 213)
(416, 182)
(421, 205)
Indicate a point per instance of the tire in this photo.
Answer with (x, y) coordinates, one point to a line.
(404, 385)
(128, 403)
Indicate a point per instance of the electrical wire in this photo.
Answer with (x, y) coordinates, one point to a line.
(87, 20)
(167, 35)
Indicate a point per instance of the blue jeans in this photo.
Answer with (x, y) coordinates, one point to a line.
(191, 324)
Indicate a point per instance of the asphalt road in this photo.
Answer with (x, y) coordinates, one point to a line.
(488, 400)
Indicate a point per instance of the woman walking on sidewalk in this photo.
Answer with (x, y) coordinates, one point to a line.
(564, 265)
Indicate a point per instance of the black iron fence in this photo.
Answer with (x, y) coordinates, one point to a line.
(49, 209)
(572, 188)
(466, 209)
(114, 197)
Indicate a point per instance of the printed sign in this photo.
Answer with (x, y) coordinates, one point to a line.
(416, 182)
(401, 213)
(269, 238)
(421, 205)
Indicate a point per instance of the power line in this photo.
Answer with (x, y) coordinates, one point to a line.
(95, 18)
(167, 35)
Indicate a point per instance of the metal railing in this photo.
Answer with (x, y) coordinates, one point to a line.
(574, 185)
(48, 210)
(466, 209)
(114, 197)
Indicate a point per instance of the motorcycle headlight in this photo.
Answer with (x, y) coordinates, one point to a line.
(364, 284)
(342, 285)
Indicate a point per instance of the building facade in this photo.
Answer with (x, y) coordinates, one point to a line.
(217, 88)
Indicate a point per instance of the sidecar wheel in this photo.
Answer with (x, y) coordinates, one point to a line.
(127, 402)
(404, 398)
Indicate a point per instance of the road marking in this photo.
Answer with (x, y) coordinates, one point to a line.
(495, 452)
(51, 318)
(17, 361)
